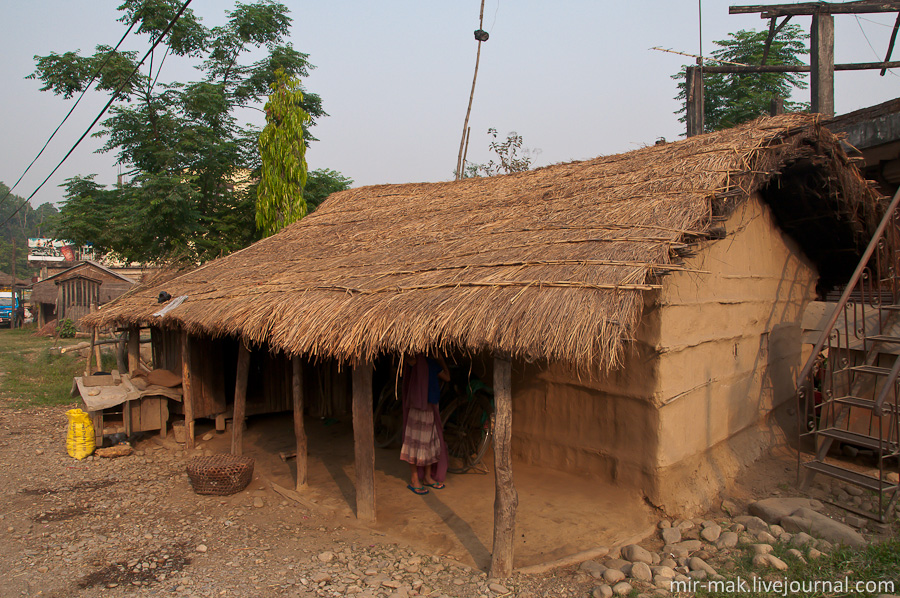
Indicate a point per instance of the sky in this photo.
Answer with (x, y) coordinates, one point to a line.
(575, 78)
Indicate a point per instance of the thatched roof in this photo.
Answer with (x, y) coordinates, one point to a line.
(7, 280)
(548, 264)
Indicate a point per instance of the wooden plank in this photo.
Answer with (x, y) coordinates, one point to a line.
(186, 389)
(506, 499)
(821, 62)
(240, 400)
(767, 11)
(299, 430)
(364, 442)
(801, 68)
(134, 348)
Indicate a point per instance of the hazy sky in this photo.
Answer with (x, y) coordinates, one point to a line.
(576, 78)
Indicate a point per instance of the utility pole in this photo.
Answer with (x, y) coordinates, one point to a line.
(12, 288)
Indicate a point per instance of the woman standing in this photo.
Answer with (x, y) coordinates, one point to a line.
(423, 437)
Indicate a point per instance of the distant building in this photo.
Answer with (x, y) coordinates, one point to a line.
(71, 292)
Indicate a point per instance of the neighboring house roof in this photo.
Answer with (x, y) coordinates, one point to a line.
(113, 284)
(546, 264)
(870, 126)
(7, 280)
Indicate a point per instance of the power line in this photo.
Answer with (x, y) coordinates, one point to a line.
(102, 112)
(877, 56)
(72, 109)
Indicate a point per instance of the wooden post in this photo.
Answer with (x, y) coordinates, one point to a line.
(821, 61)
(505, 497)
(694, 90)
(87, 366)
(299, 430)
(240, 400)
(776, 106)
(97, 353)
(364, 442)
(134, 349)
(186, 390)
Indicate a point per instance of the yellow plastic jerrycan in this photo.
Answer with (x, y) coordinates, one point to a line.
(80, 439)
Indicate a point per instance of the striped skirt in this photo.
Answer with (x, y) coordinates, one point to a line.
(421, 444)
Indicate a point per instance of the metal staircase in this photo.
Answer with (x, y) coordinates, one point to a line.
(849, 389)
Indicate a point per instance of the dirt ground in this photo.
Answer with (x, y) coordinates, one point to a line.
(556, 517)
(132, 526)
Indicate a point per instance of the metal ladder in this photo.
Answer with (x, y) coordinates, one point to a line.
(849, 390)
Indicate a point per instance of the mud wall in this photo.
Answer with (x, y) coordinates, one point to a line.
(729, 350)
(715, 353)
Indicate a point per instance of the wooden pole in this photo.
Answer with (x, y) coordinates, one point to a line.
(299, 430)
(364, 442)
(97, 354)
(186, 389)
(506, 499)
(240, 400)
(776, 106)
(695, 114)
(134, 349)
(460, 165)
(87, 366)
(821, 62)
(801, 68)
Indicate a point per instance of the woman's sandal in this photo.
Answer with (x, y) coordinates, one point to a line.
(437, 485)
(420, 490)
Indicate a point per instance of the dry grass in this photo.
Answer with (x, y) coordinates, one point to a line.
(548, 264)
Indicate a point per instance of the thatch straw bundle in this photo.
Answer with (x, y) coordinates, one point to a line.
(547, 264)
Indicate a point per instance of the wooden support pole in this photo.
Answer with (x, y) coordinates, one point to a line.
(186, 389)
(821, 62)
(506, 499)
(87, 366)
(240, 400)
(364, 442)
(134, 349)
(694, 114)
(299, 430)
(776, 107)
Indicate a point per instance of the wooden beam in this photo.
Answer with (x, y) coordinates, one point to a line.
(134, 349)
(800, 68)
(891, 43)
(240, 400)
(694, 114)
(821, 63)
(768, 11)
(776, 106)
(187, 389)
(505, 497)
(299, 430)
(364, 442)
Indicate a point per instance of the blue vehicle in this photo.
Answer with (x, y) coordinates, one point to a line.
(8, 309)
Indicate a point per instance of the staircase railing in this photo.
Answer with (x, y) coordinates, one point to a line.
(805, 383)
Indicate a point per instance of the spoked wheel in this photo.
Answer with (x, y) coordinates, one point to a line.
(388, 417)
(467, 430)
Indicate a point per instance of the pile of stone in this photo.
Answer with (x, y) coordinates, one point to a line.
(694, 550)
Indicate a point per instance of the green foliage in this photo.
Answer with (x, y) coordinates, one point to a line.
(26, 223)
(191, 190)
(732, 99)
(279, 197)
(511, 156)
(321, 183)
(66, 329)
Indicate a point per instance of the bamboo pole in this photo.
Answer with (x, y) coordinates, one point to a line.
(134, 349)
(299, 430)
(364, 442)
(240, 400)
(186, 389)
(506, 499)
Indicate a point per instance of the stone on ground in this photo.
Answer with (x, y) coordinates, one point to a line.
(752, 523)
(670, 535)
(593, 568)
(727, 540)
(635, 553)
(772, 510)
(711, 533)
(641, 571)
(622, 588)
(822, 526)
(603, 591)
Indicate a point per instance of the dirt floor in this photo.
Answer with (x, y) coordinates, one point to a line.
(133, 526)
(557, 514)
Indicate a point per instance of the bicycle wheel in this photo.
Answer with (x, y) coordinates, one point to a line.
(467, 430)
(388, 417)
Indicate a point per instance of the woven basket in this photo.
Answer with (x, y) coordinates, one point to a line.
(220, 474)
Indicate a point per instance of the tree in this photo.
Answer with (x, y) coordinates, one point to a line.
(279, 197)
(191, 167)
(734, 98)
(320, 184)
(26, 223)
(511, 156)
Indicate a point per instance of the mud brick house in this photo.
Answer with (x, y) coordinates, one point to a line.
(640, 312)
